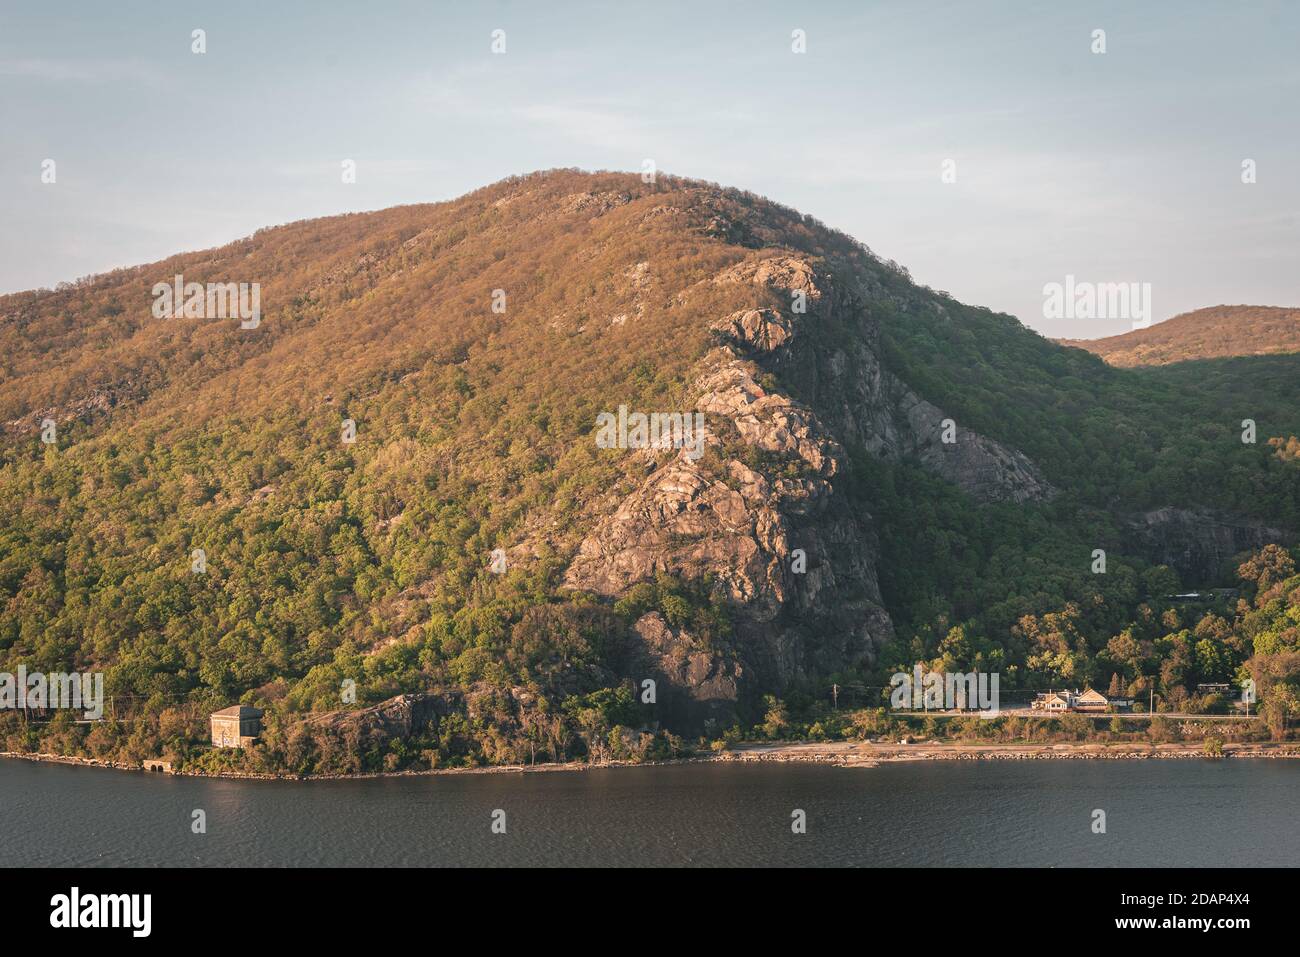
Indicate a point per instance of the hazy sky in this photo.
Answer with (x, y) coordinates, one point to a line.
(1123, 166)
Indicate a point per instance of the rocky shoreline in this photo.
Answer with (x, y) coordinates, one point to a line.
(866, 755)
(835, 754)
(365, 775)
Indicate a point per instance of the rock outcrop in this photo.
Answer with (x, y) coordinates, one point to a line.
(764, 330)
(697, 685)
(864, 403)
(794, 561)
(1198, 543)
(398, 717)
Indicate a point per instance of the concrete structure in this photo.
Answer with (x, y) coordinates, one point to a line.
(236, 727)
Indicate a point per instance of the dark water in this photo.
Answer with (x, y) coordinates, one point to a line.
(1179, 812)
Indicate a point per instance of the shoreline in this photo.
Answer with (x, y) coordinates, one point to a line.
(845, 754)
(862, 754)
(42, 758)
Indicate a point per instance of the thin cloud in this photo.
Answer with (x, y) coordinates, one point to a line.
(80, 70)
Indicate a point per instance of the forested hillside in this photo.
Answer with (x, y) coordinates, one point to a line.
(1213, 333)
(476, 547)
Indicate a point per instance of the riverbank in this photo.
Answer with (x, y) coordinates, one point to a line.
(865, 754)
(254, 776)
(848, 754)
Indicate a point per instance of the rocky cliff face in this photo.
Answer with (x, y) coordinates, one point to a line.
(398, 717)
(759, 514)
(1198, 543)
(862, 402)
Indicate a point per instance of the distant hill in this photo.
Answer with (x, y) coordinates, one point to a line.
(1212, 333)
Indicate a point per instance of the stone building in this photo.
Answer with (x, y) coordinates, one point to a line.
(236, 727)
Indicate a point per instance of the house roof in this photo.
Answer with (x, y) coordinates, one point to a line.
(238, 711)
(1093, 695)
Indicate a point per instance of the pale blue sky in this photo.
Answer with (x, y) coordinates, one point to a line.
(1122, 166)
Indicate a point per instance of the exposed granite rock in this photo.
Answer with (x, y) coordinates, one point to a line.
(399, 717)
(785, 273)
(981, 467)
(694, 685)
(857, 398)
(96, 404)
(740, 524)
(764, 330)
(683, 522)
(768, 420)
(595, 203)
(1199, 543)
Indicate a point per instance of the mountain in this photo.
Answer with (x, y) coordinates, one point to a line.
(1211, 333)
(492, 566)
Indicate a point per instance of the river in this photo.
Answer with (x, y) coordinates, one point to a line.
(1186, 812)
